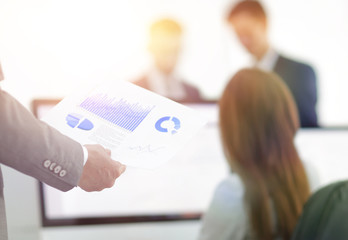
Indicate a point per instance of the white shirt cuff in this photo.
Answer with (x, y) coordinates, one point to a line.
(85, 155)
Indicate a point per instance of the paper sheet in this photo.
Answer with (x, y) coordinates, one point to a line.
(141, 128)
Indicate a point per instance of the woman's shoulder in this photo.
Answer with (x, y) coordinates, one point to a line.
(232, 181)
(230, 192)
(226, 217)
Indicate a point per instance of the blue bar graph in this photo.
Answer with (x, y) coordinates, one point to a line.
(116, 111)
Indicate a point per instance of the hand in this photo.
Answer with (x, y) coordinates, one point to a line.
(100, 171)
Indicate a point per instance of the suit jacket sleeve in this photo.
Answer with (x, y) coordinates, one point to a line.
(34, 148)
(309, 98)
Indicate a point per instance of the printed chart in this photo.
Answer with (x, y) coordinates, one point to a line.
(116, 111)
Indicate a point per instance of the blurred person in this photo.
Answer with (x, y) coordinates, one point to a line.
(264, 194)
(249, 21)
(165, 47)
(34, 148)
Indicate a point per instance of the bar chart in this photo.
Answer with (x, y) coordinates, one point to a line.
(116, 111)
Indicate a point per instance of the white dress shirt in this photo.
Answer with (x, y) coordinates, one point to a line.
(85, 154)
(267, 63)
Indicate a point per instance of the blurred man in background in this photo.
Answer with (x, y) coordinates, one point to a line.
(249, 21)
(34, 148)
(165, 47)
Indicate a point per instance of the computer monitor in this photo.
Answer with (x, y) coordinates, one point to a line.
(181, 189)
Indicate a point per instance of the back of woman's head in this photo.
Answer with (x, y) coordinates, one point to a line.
(258, 121)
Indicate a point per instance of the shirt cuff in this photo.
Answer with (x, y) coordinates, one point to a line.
(85, 155)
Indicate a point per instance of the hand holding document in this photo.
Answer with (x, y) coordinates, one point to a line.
(141, 128)
(100, 171)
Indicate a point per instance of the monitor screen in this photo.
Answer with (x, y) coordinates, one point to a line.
(181, 189)
(325, 150)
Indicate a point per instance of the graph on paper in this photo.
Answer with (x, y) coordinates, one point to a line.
(146, 149)
(117, 111)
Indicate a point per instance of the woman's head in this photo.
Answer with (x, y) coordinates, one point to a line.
(258, 122)
(257, 112)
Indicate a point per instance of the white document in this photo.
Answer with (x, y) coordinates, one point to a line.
(141, 128)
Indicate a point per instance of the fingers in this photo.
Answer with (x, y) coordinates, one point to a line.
(111, 183)
(100, 171)
(108, 151)
(123, 168)
(118, 168)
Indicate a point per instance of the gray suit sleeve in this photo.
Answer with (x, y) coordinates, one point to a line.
(34, 148)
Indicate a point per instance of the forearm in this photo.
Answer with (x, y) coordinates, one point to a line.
(28, 145)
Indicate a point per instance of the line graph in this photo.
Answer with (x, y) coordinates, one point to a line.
(116, 111)
(146, 149)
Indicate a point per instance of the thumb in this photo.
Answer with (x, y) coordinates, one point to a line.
(108, 151)
(119, 168)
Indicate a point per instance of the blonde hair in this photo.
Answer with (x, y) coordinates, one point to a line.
(166, 25)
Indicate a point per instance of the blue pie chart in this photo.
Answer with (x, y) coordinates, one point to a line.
(75, 120)
(160, 128)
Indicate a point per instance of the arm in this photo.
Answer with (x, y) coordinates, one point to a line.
(33, 148)
(308, 97)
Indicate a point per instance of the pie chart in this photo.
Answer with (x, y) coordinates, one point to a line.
(75, 120)
(175, 120)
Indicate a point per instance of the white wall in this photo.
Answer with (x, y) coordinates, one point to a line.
(48, 47)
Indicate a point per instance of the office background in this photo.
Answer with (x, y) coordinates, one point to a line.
(50, 47)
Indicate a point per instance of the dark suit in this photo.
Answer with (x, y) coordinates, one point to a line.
(302, 82)
(32, 147)
(191, 94)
